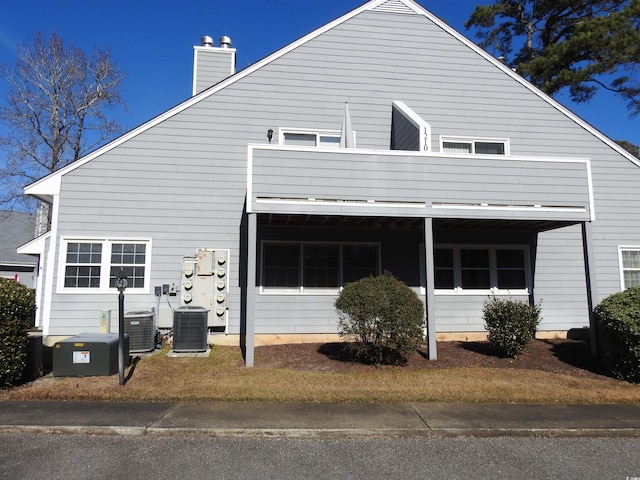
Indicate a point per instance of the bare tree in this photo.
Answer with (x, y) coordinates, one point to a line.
(55, 110)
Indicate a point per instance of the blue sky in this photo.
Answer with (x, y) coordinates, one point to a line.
(152, 42)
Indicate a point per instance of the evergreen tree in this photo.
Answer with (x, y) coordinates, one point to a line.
(578, 45)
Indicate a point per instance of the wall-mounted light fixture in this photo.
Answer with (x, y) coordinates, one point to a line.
(270, 134)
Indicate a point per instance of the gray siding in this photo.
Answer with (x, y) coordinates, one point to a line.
(285, 174)
(212, 65)
(183, 182)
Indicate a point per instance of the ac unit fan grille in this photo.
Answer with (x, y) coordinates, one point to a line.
(141, 332)
(190, 329)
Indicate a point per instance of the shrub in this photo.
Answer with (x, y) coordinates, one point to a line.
(618, 329)
(382, 317)
(17, 308)
(511, 324)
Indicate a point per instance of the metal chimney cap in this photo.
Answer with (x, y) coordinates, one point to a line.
(206, 41)
(225, 42)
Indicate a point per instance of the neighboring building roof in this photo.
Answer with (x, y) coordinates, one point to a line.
(16, 228)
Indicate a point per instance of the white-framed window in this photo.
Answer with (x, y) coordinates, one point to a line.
(92, 264)
(310, 138)
(314, 267)
(474, 146)
(481, 269)
(629, 260)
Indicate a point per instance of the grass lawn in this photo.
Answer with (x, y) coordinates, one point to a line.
(222, 376)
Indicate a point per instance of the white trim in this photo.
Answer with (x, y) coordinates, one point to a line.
(423, 127)
(105, 265)
(409, 153)
(622, 248)
(562, 109)
(34, 246)
(515, 208)
(51, 265)
(201, 96)
(339, 202)
(40, 187)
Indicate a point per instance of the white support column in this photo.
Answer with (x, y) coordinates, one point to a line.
(429, 286)
(251, 290)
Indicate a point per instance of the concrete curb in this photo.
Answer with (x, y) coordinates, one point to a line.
(304, 433)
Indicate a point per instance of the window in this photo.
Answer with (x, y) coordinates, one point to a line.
(130, 257)
(466, 146)
(299, 267)
(472, 268)
(306, 138)
(629, 258)
(82, 268)
(93, 265)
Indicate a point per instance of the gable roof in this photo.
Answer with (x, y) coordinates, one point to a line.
(50, 185)
(16, 229)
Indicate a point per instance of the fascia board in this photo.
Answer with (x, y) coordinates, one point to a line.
(35, 246)
(558, 106)
(35, 190)
(47, 182)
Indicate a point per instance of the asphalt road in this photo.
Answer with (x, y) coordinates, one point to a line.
(50, 456)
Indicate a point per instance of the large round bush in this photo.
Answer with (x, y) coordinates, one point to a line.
(618, 329)
(17, 308)
(382, 318)
(511, 324)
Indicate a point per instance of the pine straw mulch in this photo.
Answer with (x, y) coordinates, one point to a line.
(557, 356)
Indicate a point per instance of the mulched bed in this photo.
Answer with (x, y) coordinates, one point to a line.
(559, 356)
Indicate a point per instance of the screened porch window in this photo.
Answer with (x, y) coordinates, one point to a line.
(310, 266)
(472, 268)
(629, 258)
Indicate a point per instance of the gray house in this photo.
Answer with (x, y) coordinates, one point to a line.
(17, 228)
(262, 194)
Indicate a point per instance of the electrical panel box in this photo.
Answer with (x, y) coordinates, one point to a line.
(205, 283)
(88, 354)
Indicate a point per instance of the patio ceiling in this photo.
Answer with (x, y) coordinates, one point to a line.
(407, 222)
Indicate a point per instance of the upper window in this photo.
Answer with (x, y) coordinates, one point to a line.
(463, 268)
(309, 138)
(470, 146)
(629, 258)
(316, 266)
(93, 265)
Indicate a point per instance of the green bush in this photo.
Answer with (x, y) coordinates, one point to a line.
(511, 324)
(618, 329)
(17, 308)
(382, 318)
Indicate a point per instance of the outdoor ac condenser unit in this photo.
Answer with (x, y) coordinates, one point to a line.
(190, 329)
(140, 327)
